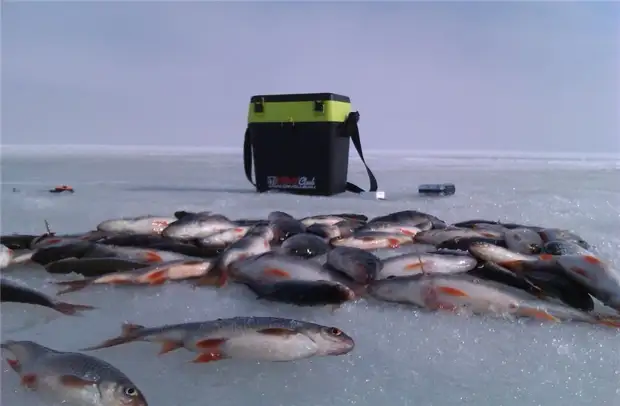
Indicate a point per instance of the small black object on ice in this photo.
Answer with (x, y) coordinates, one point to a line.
(437, 189)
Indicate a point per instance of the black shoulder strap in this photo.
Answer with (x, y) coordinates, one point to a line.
(247, 157)
(352, 131)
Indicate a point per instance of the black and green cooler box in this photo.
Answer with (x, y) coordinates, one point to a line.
(299, 143)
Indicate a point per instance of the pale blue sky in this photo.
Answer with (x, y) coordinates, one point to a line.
(541, 77)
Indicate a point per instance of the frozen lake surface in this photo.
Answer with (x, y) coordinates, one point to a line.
(402, 357)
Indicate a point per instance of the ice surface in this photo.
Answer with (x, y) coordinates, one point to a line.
(402, 357)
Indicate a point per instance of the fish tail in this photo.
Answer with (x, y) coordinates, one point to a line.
(72, 286)
(70, 308)
(130, 332)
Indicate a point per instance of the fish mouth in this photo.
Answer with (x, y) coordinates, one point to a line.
(343, 346)
(132, 402)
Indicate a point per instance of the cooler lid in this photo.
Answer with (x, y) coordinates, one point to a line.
(299, 97)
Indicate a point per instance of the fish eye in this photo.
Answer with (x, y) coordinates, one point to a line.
(131, 391)
(334, 331)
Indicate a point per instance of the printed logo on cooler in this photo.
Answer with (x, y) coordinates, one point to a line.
(159, 225)
(291, 182)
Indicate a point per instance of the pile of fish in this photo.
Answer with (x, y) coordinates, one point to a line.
(411, 258)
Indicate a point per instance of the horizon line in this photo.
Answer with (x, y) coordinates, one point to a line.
(201, 149)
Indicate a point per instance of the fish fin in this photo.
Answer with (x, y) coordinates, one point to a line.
(512, 265)
(29, 381)
(414, 266)
(432, 301)
(539, 315)
(277, 331)
(152, 256)
(14, 364)
(208, 357)
(73, 381)
(609, 322)
(546, 257)
(48, 229)
(168, 346)
(71, 309)
(222, 279)
(158, 282)
(591, 259)
(215, 277)
(129, 329)
(447, 290)
(156, 276)
(280, 273)
(581, 272)
(407, 232)
(393, 242)
(72, 286)
(210, 343)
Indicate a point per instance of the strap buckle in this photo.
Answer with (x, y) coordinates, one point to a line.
(259, 106)
(319, 106)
